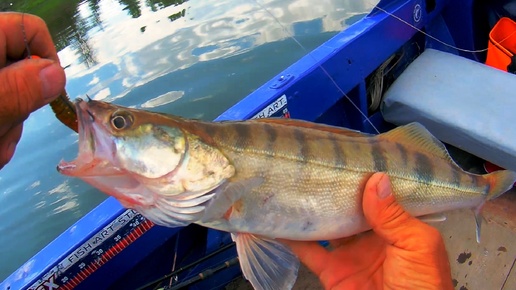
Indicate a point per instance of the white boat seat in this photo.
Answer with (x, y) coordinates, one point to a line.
(462, 102)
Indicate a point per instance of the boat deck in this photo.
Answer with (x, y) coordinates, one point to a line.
(488, 265)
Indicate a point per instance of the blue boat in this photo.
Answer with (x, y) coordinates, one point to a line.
(116, 248)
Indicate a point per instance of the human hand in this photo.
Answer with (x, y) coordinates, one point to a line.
(25, 84)
(401, 252)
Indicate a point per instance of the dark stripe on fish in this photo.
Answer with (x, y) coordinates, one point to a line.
(487, 189)
(380, 162)
(339, 155)
(304, 151)
(456, 177)
(243, 135)
(424, 168)
(474, 181)
(403, 153)
(213, 131)
(272, 135)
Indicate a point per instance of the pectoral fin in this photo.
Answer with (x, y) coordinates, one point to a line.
(227, 195)
(266, 263)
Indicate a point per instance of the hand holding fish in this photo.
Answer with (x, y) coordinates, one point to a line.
(400, 252)
(26, 84)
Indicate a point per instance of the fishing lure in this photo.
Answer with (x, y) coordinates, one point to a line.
(64, 111)
(62, 107)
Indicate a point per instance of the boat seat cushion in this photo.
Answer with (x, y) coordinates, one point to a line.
(462, 102)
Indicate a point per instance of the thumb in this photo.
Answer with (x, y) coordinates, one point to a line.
(390, 221)
(28, 85)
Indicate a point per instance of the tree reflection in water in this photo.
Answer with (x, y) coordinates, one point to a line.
(70, 27)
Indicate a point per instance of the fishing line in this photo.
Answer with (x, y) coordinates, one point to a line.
(435, 38)
(173, 279)
(309, 53)
(426, 34)
(189, 266)
(25, 41)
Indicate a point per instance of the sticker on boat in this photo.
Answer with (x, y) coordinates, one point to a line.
(278, 108)
(96, 251)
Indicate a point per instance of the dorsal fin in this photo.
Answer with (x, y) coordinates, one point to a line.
(416, 136)
(315, 126)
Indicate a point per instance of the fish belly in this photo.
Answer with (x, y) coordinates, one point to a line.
(328, 208)
(313, 205)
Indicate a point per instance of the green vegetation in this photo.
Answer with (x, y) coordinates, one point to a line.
(42, 8)
(177, 15)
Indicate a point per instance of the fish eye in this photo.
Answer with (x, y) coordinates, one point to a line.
(121, 120)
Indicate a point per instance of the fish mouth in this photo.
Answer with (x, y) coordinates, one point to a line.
(96, 147)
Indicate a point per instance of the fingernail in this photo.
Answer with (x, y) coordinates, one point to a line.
(52, 83)
(383, 188)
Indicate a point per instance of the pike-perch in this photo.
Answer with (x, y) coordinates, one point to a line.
(266, 179)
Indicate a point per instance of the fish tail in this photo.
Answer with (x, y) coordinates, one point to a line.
(499, 182)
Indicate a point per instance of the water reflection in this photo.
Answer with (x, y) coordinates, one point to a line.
(193, 59)
(211, 31)
(66, 199)
(164, 99)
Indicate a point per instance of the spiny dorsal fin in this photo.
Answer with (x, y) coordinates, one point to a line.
(315, 126)
(417, 137)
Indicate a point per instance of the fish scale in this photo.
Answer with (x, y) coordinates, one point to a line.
(266, 179)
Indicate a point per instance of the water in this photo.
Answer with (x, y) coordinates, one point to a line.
(189, 58)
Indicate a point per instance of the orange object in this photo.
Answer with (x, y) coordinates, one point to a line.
(502, 44)
(490, 167)
(500, 51)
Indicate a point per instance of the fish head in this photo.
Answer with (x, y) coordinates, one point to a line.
(119, 148)
(144, 159)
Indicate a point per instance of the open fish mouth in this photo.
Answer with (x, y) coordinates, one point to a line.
(96, 147)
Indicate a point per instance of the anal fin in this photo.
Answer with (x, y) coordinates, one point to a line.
(266, 263)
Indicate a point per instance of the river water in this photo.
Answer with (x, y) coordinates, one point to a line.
(190, 58)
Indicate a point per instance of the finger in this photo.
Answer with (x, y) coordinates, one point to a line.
(343, 241)
(12, 38)
(390, 221)
(8, 144)
(312, 254)
(28, 85)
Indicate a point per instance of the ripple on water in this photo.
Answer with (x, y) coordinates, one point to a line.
(63, 187)
(66, 200)
(164, 99)
(66, 206)
(34, 185)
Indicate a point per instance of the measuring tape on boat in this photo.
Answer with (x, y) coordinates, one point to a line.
(95, 252)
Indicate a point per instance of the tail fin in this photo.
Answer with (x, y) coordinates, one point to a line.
(499, 182)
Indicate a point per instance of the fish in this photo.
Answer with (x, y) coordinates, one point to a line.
(266, 179)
